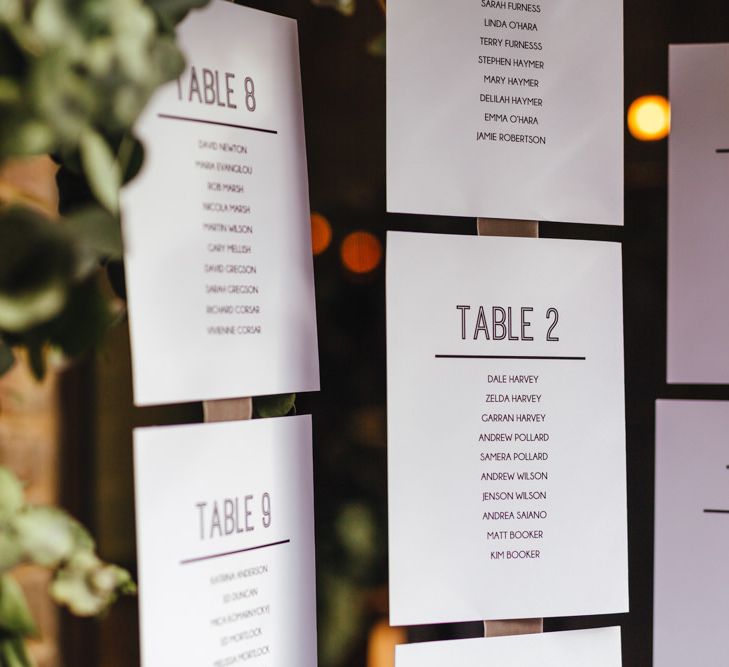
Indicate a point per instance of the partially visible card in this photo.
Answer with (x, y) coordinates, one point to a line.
(582, 648)
(691, 606)
(698, 201)
(225, 532)
(506, 109)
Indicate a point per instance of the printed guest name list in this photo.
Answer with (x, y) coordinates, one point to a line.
(506, 109)
(514, 58)
(512, 454)
(233, 307)
(216, 226)
(225, 532)
(506, 435)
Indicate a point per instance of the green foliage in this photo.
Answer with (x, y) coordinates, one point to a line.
(346, 7)
(173, 11)
(274, 406)
(343, 616)
(36, 264)
(15, 617)
(13, 653)
(50, 538)
(378, 46)
(11, 494)
(72, 67)
(74, 77)
(49, 290)
(7, 357)
(101, 169)
(87, 586)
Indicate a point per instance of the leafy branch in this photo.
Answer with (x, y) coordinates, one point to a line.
(74, 77)
(49, 538)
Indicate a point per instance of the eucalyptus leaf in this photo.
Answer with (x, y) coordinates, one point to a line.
(101, 169)
(346, 7)
(98, 230)
(83, 323)
(12, 496)
(11, 10)
(173, 11)
(343, 613)
(19, 312)
(377, 46)
(87, 585)
(11, 553)
(15, 616)
(26, 137)
(61, 97)
(134, 158)
(7, 357)
(10, 91)
(51, 20)
(274, 406)
(48, 536)
(37, 259)
(13, 653)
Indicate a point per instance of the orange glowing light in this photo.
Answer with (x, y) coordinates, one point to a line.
(649, 118)
(381, 644)
(361, 252)
(321, 233)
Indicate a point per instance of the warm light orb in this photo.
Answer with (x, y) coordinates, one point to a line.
(361, 252)
(649, 118)
(321, 233)
(381, 644)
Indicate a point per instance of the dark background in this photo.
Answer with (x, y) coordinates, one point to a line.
(344, 92)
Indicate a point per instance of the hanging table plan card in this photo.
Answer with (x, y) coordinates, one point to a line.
(226, 544)
(698, 201)
(690, 606)
(506, 109)
(506, 428)
(216, 226)
(596, 648)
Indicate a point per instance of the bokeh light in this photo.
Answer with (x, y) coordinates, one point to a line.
(381, 644)
(649, 118)
(321, 233)
(361, 252)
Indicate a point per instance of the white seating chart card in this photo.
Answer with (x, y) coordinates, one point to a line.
(216, 226)
(506, 109)
(225, 532)
(506, 428)
(583, 648)
(698, 205)
(691, 605)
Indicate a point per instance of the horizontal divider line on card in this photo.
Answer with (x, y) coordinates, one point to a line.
(187, 119)
(716, 511)
(199, 559)
(506, 356)
(722, 150)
